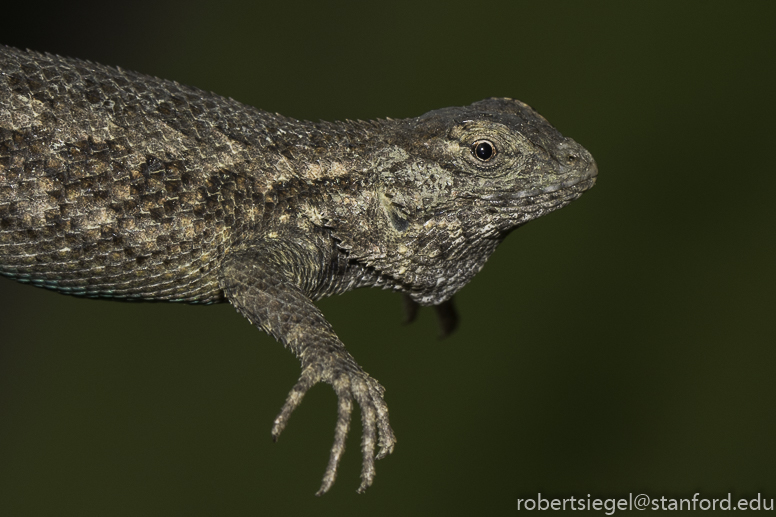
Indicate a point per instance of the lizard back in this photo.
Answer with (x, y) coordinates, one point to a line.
(117, 184)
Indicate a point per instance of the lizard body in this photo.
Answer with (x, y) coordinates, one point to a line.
(119, 185)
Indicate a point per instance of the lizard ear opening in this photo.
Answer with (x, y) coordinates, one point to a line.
(394, 215)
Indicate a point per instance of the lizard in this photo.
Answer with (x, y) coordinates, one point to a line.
(115, 184)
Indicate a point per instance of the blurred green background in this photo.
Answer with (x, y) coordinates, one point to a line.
(623, 344)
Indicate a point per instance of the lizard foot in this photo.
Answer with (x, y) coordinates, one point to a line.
(368, 393)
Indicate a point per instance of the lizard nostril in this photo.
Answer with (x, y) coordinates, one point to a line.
(572, 159)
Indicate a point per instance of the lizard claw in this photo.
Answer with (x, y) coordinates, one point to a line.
(368, 393)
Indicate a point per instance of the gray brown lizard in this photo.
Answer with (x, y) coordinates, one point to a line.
(118, 185)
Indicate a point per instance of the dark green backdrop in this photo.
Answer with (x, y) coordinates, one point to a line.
(624, 344)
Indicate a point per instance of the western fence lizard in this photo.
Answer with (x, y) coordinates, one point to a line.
(115, 184)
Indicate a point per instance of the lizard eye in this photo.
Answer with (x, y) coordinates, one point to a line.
(483, 150)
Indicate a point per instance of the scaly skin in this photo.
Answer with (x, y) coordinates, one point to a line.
(118, 185)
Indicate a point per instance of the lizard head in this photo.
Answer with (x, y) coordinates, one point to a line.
(501, 153)
(449, 185)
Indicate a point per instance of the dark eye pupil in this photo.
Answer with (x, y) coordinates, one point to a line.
(483, 151)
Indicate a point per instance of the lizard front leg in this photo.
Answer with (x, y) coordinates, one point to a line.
(447, 316)
(267, 284)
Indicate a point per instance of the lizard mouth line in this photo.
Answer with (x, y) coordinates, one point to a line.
(583, 182)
